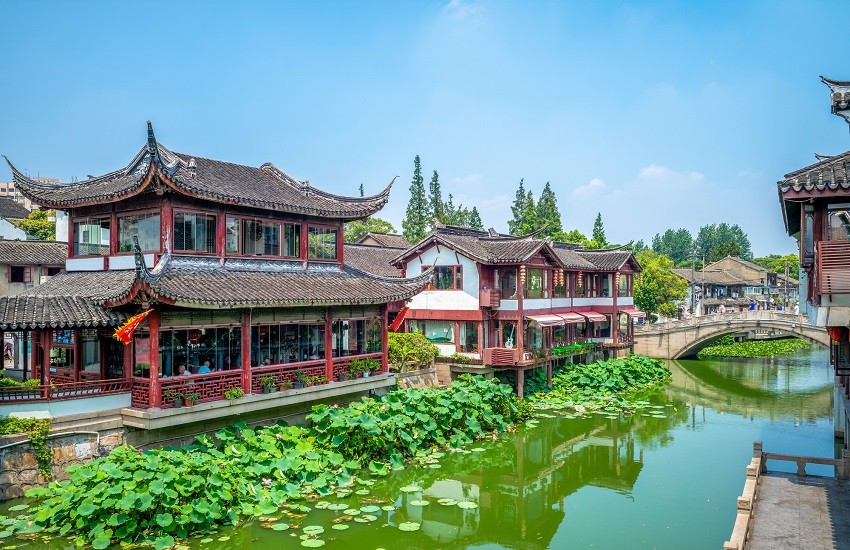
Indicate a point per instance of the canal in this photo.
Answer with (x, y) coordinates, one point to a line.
(663, 480)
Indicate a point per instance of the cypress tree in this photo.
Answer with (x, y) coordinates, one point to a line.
(547, 212)
(475, 219)
(599, 231)
(529, 221)
(416, 223)
(517, 209)
(436, 208)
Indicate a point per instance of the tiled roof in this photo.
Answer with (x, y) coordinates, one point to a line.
(372, 259)
(389, 240)
(33, 252)
(76, 299)
(714, 277)
(266, 187)
(257, 283)
(482, 246)
(572, 259)
(831, 174)
(606, 260)
(11, 210)
(28, 312)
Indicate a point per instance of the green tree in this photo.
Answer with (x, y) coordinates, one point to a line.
(416, 223)
(658, 289)
(715, 242)
(776, 263)
(638, 246)
(436, 206)
(38, 225)
(356, 230)
(573, 236)
(548, 214)
(475, 219)
(675, 244)
(598, 235)
(518, 209)
(529, 221)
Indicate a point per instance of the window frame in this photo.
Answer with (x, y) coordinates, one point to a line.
(178, 211)
(118, 216)
(281, 223)
(329, 228)
(26, 274)
(73, 245)
(457, 276)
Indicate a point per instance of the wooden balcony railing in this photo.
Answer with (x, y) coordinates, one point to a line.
(501, 357)
(490, 297)
(833, 268)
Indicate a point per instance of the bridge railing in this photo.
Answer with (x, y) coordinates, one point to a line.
(758, 315)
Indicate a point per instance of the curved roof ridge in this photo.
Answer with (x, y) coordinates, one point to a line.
(422, 278)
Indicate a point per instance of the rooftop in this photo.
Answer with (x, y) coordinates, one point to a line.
(156, 167)
(33, 252)
(11, 210)
(389, 240)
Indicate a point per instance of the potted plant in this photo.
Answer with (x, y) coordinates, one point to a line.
(300, 379)
(233, 394)
(285, 384)
(269, 384)
(342, 376)
(318, 380)
(191, 398)
(175, 397)
(365, 366)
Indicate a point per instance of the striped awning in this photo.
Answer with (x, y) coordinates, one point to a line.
(593, 316)
(633, 312)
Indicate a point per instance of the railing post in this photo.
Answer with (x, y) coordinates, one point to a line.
(246, 351)
(154, 385)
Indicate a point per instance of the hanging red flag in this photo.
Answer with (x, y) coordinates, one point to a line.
(399, 319)
(124, 333)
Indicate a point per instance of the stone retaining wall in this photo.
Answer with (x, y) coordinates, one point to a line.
(19, 467)
(419, 378)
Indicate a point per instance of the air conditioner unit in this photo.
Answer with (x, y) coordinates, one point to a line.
(43, 279)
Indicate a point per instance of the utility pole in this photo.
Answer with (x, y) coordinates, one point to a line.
(785, 297)
(693, 281)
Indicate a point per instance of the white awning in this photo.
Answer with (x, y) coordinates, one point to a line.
(633, 313)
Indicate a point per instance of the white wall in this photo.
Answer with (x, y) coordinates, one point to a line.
(10, 231)
(61, 226)
(446, 256)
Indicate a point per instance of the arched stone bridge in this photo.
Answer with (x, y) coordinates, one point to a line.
(683, 338)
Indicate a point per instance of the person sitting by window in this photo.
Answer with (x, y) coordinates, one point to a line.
(267, 361)
(183, 371)
(205, 368)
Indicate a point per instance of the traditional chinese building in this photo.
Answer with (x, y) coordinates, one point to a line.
(510, 301)
(242, 269)
(815, 204)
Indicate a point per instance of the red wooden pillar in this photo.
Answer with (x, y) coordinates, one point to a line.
(615, 318)
(246, 351)
(155, 387)
(329, 360)
(34, 340)
(457, 336)
(78, 357)
(220, 234)
(384, 338)
(166, 221)
(45, 362)
(127, 367)
(113, 234)
(304, 242)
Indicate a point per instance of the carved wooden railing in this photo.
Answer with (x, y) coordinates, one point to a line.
(209, 386)
(490, 297)
(286, 372)
(63, 390)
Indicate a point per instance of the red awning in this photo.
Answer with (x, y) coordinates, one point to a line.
(593, 316)
(570, 317)
(546, 320)
(633, 313)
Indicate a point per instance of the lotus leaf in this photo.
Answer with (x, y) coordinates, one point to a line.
(467, 505)
(340, 526)
(313, 543)
(280, 527)
(408, 526)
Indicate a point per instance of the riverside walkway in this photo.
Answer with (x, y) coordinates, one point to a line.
(801, 513)
(792, 511)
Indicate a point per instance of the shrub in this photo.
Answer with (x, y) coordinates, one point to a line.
(404, 348)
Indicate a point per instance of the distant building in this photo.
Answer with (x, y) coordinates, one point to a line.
(733, 283)
(11, 212)
(26, 264)
(389, 240)
(9, 191)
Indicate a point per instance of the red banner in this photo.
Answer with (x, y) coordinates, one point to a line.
(124, 333)
(399, 319)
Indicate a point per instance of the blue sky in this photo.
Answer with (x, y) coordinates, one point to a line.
(656, 114)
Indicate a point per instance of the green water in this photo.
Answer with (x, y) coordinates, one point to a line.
(596, 482)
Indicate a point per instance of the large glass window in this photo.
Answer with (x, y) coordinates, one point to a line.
(839, 224)
(469, 336)
(507, 283)
(536, 284)
(321, 243)
(448, 277)
(194, 232)
(260, 238)
(90, 345)
(623, 290)
(193, 347)
(144, 226)
(289, 343)
(356, 336)
(91, 237)
(439, 332)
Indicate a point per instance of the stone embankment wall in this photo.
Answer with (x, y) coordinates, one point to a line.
(418, 378)
(19, 467)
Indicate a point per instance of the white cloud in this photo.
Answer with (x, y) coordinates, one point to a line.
(593, 186)
(469, 180)
(653, 172)
(461, 10)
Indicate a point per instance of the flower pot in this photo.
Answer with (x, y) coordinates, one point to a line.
(267, 389)
(342, 377)
(284, 388)
(298, 385)
(366, 374)
(178, 403)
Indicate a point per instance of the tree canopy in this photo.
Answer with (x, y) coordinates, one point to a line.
(658, 289)
(716, 241)
(675, 244)
(356, 230)
(776, 263)
(38, 224)
(415, 224)
(548, 215)
(598, 234)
